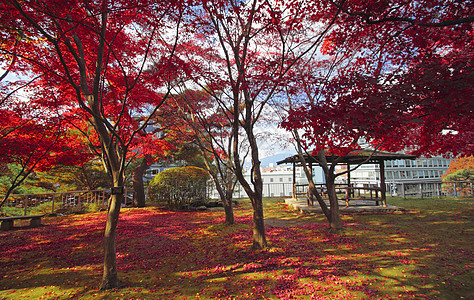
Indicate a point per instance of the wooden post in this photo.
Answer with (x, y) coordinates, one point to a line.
(294, 181)
(124, 196)
(52, 204)
(382, 182)
(351, 193)
(25, 203)
(347, 196)
(403, 190)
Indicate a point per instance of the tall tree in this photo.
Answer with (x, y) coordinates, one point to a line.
(210, 130)
(250, 48)
(93, 58)
(398, 74)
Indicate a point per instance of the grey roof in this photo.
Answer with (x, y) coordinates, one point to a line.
(361, 156)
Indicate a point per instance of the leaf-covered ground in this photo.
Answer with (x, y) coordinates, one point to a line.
(425, 253)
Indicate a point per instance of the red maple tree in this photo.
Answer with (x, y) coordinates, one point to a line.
(92, 58)
(398, 74)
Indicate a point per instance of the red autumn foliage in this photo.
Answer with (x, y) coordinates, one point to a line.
(396, 73)
(91, 64)
(162, 254)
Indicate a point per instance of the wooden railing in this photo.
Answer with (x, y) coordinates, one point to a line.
(421, 189)
(345, 192)
(52, 202)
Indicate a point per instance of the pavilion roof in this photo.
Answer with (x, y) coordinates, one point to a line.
(361, 156)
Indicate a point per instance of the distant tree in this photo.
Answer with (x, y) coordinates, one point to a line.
(459, 164)
(31, 184)
(90, 175)
(461, 169)
(147, 149)
(208, 126)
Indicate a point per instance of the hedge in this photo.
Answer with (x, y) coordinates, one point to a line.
(179, 188)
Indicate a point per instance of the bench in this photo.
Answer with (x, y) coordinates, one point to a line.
(375, 194)
(7, 222)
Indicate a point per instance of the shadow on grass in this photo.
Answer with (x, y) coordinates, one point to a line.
(192, 254)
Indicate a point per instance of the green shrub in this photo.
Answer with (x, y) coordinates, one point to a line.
(12, 211)
(179, 188)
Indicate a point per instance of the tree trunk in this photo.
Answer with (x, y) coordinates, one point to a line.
(225, 195)
(228, 208)
(313, 192)
(110, 278)
(138, 186)
(335, 221)
(259, 239)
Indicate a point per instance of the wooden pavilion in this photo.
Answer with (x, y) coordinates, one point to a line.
(355, 157)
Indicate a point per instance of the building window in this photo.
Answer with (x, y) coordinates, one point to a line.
(271, 179)
(281, 179)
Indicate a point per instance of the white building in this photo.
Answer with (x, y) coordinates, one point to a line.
(404, 176)
(277, 181)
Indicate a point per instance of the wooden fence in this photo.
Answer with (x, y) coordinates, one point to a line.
(52, 202)
(431, 189)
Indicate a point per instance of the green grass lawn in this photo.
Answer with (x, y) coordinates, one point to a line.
(424, 253)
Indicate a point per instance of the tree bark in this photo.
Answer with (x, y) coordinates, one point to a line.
(335, 222)
(259, 239)
(138, 186)
(228, 208)
(255, 194)
(314, 193)
(110, 277)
